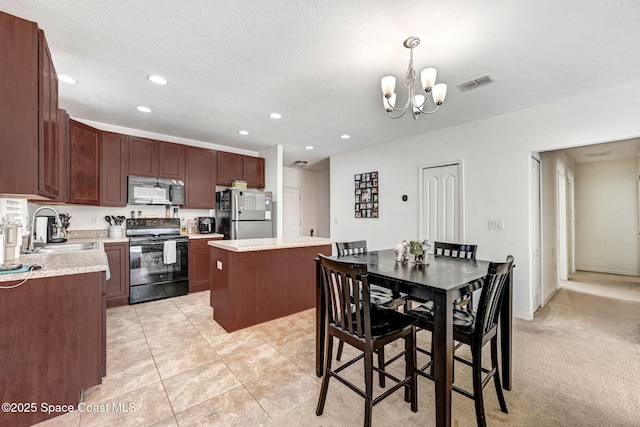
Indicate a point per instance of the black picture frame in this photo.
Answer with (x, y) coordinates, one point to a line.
(366, 194)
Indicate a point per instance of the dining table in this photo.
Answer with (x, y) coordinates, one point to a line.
(442, 280)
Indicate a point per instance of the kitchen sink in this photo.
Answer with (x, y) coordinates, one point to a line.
(66, 247)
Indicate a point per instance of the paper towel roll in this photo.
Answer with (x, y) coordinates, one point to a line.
(41, 228)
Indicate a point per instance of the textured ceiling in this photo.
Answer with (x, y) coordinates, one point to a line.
(319, 63)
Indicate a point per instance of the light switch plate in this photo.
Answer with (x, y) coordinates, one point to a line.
(496, 224)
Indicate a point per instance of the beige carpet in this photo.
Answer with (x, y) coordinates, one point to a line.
(576, 364)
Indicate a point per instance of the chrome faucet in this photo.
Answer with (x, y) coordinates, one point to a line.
(32, 233)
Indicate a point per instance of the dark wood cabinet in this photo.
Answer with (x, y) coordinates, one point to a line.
(171, 160)
(49, 152)
(143, 157)
(254, 171)
(230, 167)
(28, 111)
(63, 141)
(200, 264)
(115, 166)
(200, 180)
(53, 343)
(237, 166)
(156, 159)
(84, 164)
(118, 285)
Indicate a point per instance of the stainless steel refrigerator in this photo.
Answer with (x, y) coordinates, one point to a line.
(244, 214)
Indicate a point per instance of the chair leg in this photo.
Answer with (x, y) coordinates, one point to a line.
(476, 356)
(381, 366)
(368, 382)
(410, 357)
(496, 376)
(325, 378)
(340, 347)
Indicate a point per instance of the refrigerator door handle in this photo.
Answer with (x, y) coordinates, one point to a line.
(235, 213)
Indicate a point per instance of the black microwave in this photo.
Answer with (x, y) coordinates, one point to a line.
(142, 190)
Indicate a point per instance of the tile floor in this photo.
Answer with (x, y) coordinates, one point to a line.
(175, 366)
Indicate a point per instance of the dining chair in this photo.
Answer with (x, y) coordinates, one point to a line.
(353, 318)
(475, 329)
(379, 295)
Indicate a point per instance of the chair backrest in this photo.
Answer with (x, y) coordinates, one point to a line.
(351, 248)
(455, 250)
(345, 290)
(493, 289)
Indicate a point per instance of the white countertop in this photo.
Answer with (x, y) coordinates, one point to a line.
(247, 245)
(59, 264)
(206, 236)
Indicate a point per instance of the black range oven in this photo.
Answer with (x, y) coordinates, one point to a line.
(158, 259)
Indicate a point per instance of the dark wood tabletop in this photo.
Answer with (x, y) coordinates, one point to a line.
(441, 279)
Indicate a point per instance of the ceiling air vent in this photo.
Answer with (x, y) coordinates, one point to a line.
(603, 153)
(475, 83)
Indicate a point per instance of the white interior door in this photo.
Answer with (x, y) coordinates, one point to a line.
(291, 215)
(563, 269)
(441, 203)
(571, 261)
(536, 228)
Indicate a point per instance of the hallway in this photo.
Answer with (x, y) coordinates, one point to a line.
(602, 284)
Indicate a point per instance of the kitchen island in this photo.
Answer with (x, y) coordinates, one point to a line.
(53, 334)
(257, 280)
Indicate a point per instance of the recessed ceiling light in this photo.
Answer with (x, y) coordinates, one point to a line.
(345, 136)
(243, 132)
(157, 80)
(309, 147)
(67, 79)
(275, 115)
(143, 109)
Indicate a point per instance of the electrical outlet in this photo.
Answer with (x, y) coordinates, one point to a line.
(496, 224)
(94, 221)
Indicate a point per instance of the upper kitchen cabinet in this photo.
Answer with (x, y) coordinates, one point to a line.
(236, 166)
(171, 160)
(230, 167)
(85, 154)
(28, 111)
(254, 171)
(115, 166)
(143, 157)
(200, 181)
(156, 159)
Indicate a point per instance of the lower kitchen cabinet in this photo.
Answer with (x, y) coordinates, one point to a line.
(200, 264)
(53, 343)
(118, 284)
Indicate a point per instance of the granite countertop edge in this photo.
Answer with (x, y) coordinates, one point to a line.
(249, 245)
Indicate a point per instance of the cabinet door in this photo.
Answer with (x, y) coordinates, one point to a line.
(63, 144)
(200, 264)
(118, 285)
(49, 153)
(254, 171)
(230, 167)
(200, 180)
(18, 105)
(115, 165)
(170, 160)
(84, 164)
(143, 157)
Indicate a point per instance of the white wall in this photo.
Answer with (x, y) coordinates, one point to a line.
(496, 153)
(273, 179)
(607, 216)
(314, 194)
(550, 163)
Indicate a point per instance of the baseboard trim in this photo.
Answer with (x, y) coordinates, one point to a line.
(607, 271)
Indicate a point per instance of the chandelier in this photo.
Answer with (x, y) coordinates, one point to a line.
(418, 103)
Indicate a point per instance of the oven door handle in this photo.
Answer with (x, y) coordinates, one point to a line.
(155, 242)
